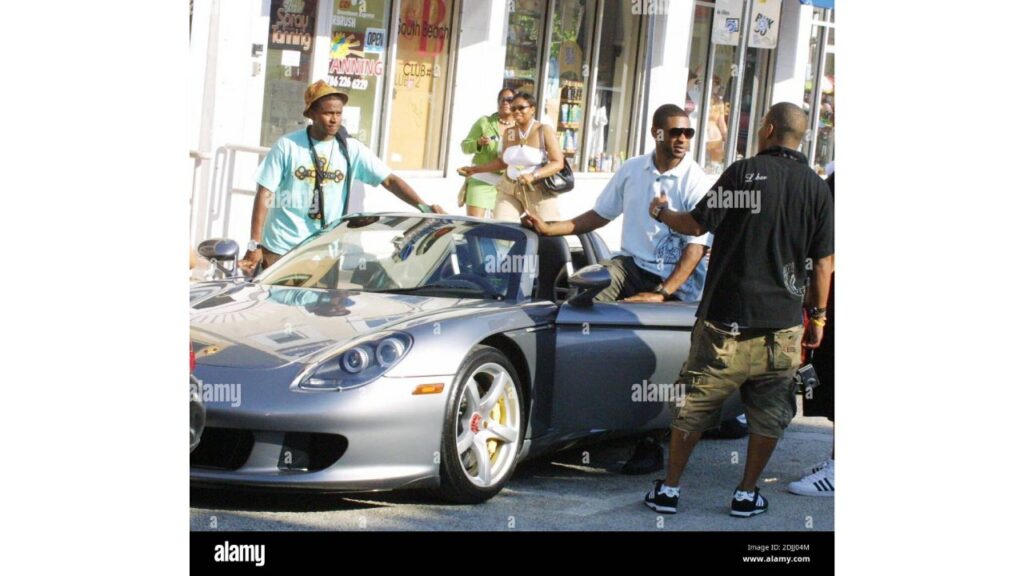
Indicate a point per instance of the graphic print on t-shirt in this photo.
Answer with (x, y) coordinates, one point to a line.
(797, 284)
(303, 172)
(670, 250)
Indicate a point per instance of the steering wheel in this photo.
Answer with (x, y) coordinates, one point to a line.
(476, 281)
(563, 291)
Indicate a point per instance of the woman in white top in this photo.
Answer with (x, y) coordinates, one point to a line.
(530, 154)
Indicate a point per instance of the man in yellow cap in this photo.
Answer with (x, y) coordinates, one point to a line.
(297, 197)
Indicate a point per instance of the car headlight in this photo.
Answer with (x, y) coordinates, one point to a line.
(390, 351)
(359, 364)
(356, 360)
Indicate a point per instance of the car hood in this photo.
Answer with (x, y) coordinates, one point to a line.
(260, 327)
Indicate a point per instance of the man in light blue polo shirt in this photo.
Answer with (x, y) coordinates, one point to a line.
(288, 208)
(658, 263)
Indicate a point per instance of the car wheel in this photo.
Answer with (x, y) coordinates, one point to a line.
(483, 428)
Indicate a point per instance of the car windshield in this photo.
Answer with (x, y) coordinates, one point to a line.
(409, 254)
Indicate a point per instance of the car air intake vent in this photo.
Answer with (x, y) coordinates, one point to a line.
(223, 449)
(310, 452)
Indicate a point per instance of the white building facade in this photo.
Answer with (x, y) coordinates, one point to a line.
(420, 72)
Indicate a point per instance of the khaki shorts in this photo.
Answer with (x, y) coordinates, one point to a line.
(510, 203)
(761, 363)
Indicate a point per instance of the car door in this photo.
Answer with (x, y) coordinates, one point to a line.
(616, 364)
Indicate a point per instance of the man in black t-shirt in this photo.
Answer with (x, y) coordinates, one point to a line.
(772, 217)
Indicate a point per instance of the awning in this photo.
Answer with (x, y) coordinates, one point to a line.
(829, 4)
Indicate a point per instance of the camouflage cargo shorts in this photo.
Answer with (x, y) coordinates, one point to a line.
(761, 363)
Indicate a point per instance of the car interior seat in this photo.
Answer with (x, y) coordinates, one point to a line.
(554, 265)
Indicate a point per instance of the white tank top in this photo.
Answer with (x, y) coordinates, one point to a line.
(522, 159)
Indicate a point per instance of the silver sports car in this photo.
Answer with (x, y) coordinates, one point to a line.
(423, 351)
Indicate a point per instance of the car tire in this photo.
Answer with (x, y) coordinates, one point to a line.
(483, 428)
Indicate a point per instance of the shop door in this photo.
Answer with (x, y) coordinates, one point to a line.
(289, 62)
(716, 75)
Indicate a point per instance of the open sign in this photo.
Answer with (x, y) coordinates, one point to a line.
(375, 40)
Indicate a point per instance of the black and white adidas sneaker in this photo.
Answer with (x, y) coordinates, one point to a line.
(662, 498)
(820, 483)
(747, 504)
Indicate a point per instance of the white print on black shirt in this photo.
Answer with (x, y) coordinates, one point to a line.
(228, 552)
(798, 284)
(794, 284)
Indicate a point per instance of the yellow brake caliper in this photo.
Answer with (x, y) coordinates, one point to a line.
(498, 414)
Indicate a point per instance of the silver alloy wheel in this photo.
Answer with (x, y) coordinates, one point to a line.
(487, 431)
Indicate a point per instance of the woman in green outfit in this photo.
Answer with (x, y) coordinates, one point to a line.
(484, 143)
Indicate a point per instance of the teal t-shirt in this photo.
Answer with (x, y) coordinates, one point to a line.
(288, 172)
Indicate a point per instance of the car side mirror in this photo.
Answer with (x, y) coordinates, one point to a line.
(219, 249)
(222, 253)
(589, 281)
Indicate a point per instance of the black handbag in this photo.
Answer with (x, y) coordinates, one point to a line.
(562, 181)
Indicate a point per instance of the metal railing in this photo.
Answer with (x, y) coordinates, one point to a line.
(199, 188)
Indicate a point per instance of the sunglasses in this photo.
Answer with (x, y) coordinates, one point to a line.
(677, 132)
(521, 107)
(508, 100)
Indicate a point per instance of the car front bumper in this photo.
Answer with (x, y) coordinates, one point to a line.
(377, 437)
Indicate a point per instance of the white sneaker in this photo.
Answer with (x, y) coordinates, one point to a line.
(820, 483)
(826, 463)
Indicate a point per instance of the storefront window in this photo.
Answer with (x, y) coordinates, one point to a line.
(590, 109)
(523, 44)
(568, 54)
(289, 58)
(715, 47)
(722, 68)
(709, 144)
(824, 151)
(753, 105)
(359, 42)
(610, 112)
(421, 85)
(820, 142)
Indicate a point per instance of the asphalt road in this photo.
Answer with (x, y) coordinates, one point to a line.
(577, 489)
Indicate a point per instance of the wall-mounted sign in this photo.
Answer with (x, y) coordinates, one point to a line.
(291, 24)
(346, 21)
(345, 43)
(570, 60)
(349, 67)
(376, 41)
(357, 8)
(764, 24)
(725, 28)
(764, 27)
(357, 59)
(424, 24)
